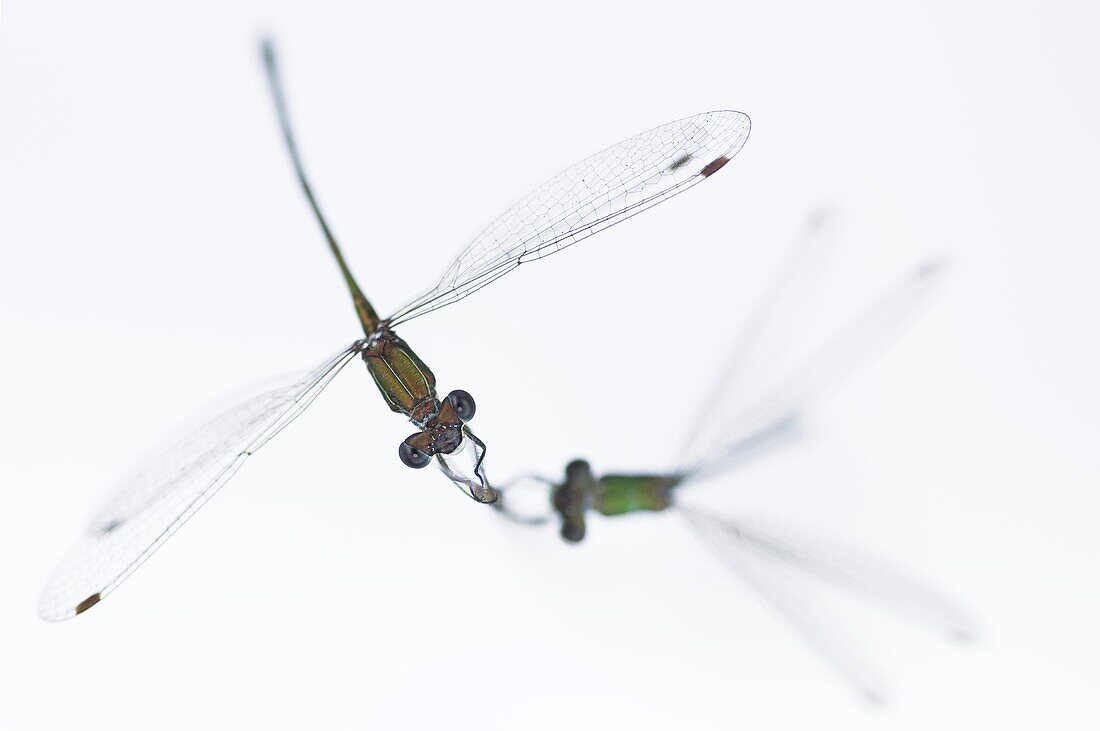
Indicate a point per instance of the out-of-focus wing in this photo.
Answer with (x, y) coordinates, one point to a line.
(773, 325)
(160, 497)
(603, 190)
(777, 562)
(720, 434)
(888, 586)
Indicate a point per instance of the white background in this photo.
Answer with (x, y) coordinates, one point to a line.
(155, 254)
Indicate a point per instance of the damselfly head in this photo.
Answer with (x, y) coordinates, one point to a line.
(418, 449)
(442, 432)
(570, 499)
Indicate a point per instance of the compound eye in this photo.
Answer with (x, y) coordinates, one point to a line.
(462, 403)
(413, 457)
(572, 532)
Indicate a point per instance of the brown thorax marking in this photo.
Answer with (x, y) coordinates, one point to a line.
(424, 412)
(375, 345)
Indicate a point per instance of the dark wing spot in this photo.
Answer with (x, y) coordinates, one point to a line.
(87, 603)
(714, 166)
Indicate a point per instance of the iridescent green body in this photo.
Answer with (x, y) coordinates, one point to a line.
(608, 495)
(404, 380)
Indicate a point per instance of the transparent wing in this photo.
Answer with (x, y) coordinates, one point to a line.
(778, 584)
(892, 588)
(776, 562)
(160, 497)
(779, 402)
(594, 194)
(772, 325)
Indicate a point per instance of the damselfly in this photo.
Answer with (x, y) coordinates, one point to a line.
(756, 404)
(599, 192)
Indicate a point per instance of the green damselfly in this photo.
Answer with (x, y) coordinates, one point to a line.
(754, 406)
(599, 192)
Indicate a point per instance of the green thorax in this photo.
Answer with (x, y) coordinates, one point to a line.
(405, 382)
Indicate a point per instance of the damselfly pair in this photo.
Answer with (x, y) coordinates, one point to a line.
(599, 192)
(744, 413)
